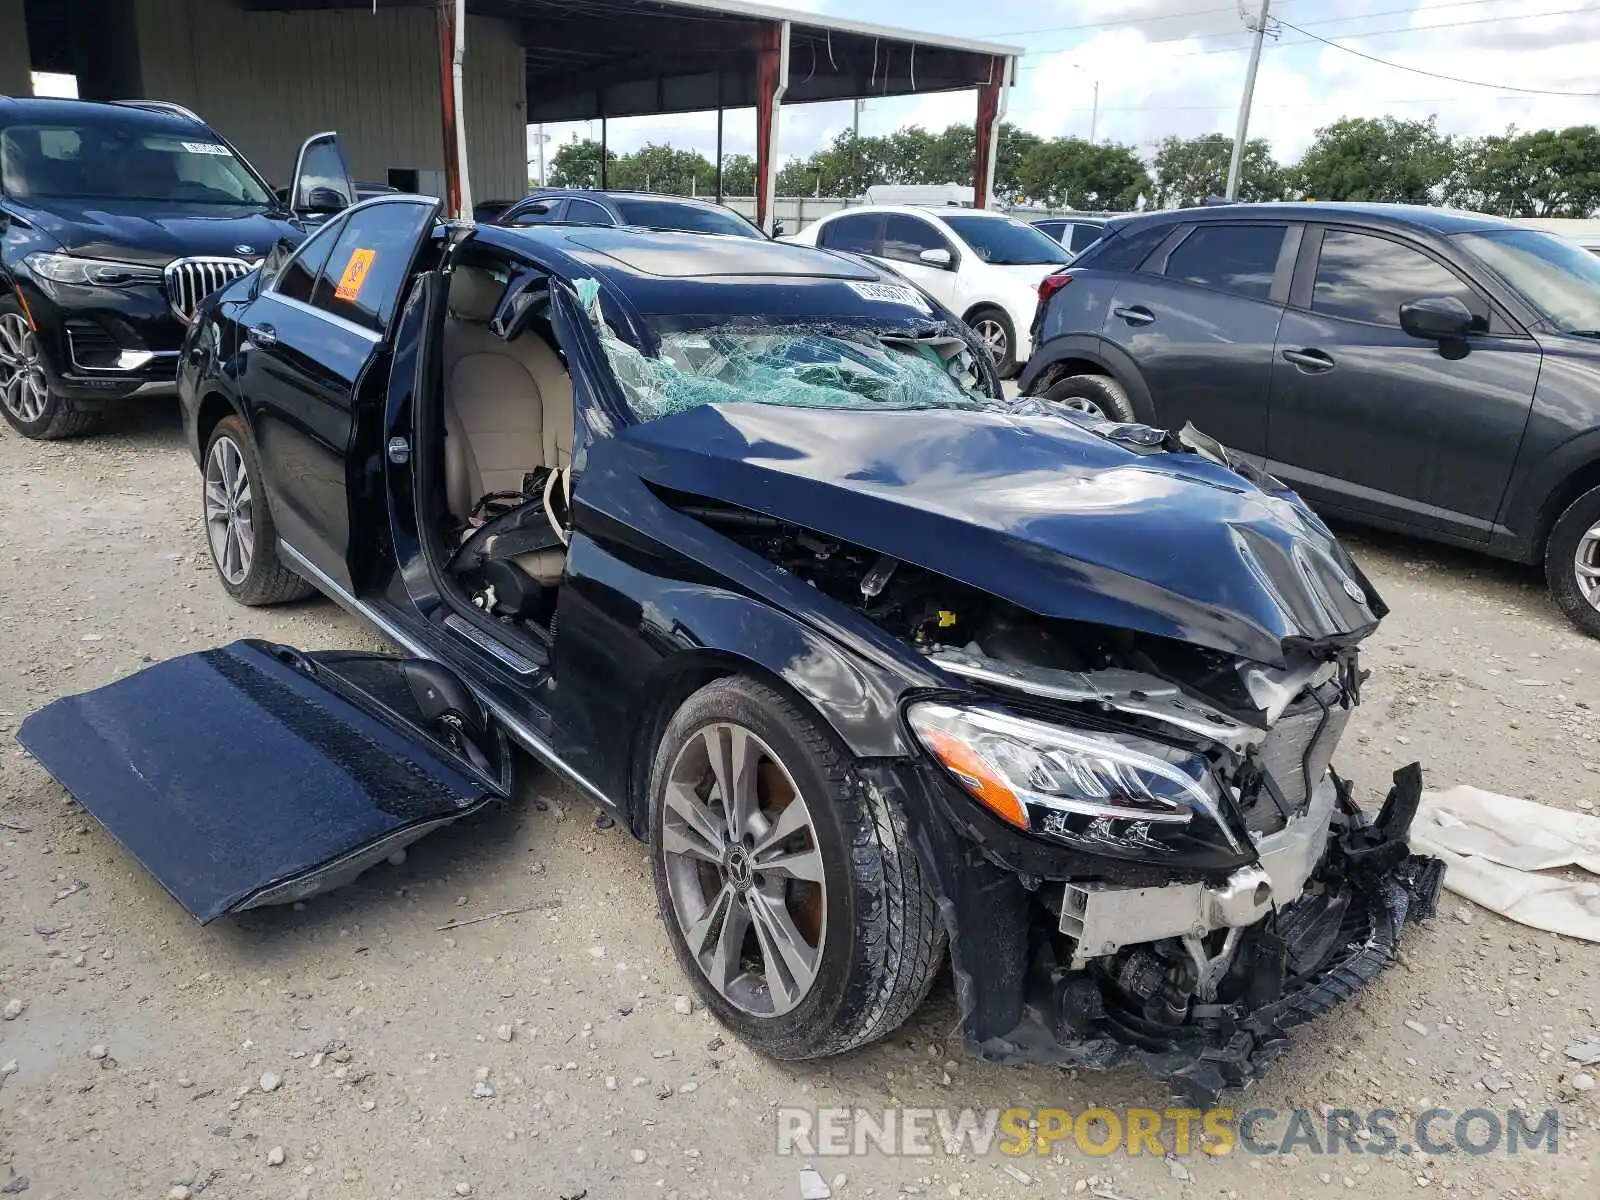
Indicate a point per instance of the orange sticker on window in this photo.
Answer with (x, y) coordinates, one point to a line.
(355, 274)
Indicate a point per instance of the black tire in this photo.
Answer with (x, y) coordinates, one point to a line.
(1101, 391)
(881, 944)
(60, 417)
(267, 580)
(1005, 361)
(1570, 535)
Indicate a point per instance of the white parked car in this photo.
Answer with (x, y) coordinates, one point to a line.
(983, 266)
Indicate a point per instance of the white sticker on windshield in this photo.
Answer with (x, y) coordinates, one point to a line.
(890, 293)
(205, 148)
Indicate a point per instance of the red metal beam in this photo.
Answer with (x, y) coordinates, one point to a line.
(772, 80)
(447, 106)
(991, 107)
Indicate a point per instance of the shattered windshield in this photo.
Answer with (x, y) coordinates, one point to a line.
(796, 366)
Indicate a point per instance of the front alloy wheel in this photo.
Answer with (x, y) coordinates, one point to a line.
(26, 401)
(744, 870)
(23, 388)
(1572, 562)
(791, 893)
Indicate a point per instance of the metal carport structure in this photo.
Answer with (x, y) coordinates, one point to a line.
(591, 60)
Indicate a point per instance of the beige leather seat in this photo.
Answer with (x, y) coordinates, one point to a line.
(507, 406)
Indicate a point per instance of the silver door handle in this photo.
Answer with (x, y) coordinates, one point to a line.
(262, 335)
(1136, 314)
(1312, 362)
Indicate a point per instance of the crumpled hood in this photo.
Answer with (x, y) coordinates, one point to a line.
(1038, 510)
(154, 234)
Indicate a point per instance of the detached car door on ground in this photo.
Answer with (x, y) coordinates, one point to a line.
(1368, 419)
(1208, 358)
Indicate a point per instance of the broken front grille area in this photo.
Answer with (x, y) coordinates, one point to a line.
(1296, 753)
(191, 280)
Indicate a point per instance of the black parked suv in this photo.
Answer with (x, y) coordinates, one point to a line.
(116, 220)
(1429, 371)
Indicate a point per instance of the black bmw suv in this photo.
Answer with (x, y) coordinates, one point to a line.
(116, 220)
(1431, 371)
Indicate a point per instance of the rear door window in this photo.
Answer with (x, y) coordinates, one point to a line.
(1084, 236)
(1365, 278)
(363, 277)
(1239, 259)
(855, 232)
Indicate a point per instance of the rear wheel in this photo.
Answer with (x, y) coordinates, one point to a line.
(26, 400)
(1093, 395)
(790, 891)
(1572, 562)
(999, 339)
(239, 528)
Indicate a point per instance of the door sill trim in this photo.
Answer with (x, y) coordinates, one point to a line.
(519, 729)
(509, 657)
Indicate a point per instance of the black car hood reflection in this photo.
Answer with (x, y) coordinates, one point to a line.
(1037, 510)
(148, 232)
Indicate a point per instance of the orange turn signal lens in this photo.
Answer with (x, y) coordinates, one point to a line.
(977, 776)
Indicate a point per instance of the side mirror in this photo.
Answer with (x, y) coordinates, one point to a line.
(936, 258)
(1437, 319)
(777, 229)
(322, 184)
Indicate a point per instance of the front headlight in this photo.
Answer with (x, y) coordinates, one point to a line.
(1067, 782)
(97, 272)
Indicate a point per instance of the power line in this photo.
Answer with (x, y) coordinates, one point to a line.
(1222, 33)
(1310, 37)
(1504, 87)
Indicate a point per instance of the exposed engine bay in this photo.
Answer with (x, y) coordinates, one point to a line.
(1196, 876)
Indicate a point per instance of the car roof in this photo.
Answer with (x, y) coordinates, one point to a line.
(1416, 216)
(667, 273)
(38, 108)
(597, 194)
(916, 210)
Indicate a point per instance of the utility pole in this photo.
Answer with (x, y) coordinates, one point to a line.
(1094, 113)
(1243, 129)
(855, 118)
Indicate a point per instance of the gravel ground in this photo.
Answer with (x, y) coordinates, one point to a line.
(350, 1048)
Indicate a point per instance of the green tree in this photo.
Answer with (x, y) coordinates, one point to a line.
(738, 175)
(1093, 178)
(1187, 170)
(1542, 173)
(1379, 159)
(653, 168)
(1015, 146)
(577, 164)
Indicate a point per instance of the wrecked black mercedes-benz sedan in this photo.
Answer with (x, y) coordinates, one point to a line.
(742, 540)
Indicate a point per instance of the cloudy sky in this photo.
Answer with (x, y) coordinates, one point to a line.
(1177, 67)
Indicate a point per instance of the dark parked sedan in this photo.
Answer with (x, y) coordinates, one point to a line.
(639, 210)
(1430, 371)
(740, 539)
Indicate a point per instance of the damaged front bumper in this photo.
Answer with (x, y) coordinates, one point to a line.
(1223, 967)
